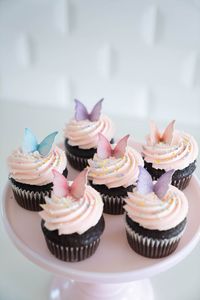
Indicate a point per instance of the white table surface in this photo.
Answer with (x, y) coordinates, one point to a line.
(22, 280)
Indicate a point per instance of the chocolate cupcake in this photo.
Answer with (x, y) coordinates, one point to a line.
(30, 170)
(171, 150)
(113, 172)
(156, 216)
(72, 220)
(81, 134)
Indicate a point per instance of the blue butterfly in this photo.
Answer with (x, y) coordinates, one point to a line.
(30, 143)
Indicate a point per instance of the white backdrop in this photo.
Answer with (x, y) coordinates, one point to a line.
(141, 56)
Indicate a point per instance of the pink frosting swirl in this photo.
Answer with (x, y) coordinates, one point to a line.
(34, 169)
(84, 134)
(178, 155)
(68, 215)
(115, 172)
(154, 213)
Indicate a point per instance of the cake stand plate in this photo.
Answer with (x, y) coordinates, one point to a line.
(115, 271)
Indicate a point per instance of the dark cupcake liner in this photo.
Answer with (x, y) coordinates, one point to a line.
(30, 197)
(113, 205)
(182, 183)
(30, 200)
(151, 247)
(113, 198)
(180, 178)
(72, 254)
(78, 163)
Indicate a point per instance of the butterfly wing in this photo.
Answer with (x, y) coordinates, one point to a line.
(96, 111)
(45, 146)
(120, 148)
(81, 112)
(60, 185)
(162, 184)
(30, 142)
(77, 188)
(154, 135)
(168, 133)
(104, 149)
(145, 183)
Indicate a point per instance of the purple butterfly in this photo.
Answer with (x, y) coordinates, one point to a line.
(145, 184)
(81, 112)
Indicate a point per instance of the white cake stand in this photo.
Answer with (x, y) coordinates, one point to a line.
(115, 271)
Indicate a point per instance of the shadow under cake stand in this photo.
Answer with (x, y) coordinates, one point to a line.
(115, 271)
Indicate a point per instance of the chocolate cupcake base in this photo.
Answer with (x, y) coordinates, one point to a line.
(113, 198)
(153, 243)
(30, 197)
(74, 247)
(180, 178)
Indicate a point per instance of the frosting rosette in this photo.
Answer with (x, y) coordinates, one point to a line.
(69, 215)
(84, 133)
(182, 151)
(116, 172)
(34, 168)
(155, 213)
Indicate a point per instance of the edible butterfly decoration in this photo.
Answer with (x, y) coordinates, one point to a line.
(61, 187)
(104, 148)
(81, 112)
(156, 137)
(145, 184)
(30, 143)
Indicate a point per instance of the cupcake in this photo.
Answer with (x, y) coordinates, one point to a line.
(81, 134)
(72, 220)
(30, 170)
(172, 149)
(113, 172)
(155, 215)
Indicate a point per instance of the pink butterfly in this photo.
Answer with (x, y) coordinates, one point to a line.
(145, 184)
(61, 187)
(81, 112)
(104, 149)
(156, 137)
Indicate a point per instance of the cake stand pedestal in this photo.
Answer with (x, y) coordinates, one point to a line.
(71, 290)
(115, 271)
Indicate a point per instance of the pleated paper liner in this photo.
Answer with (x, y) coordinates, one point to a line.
(113, 205)
(78, 163)
(30, 200)
(113, 198)
(182, 183)
(151, 247)
(72, 254)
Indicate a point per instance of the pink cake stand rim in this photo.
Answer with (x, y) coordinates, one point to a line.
(94, 277)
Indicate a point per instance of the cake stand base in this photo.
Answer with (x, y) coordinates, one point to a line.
(62, 289)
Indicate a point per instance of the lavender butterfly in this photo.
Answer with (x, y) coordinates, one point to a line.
(61, 187)
(81, 112)
(145, 184)
(30, 143)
